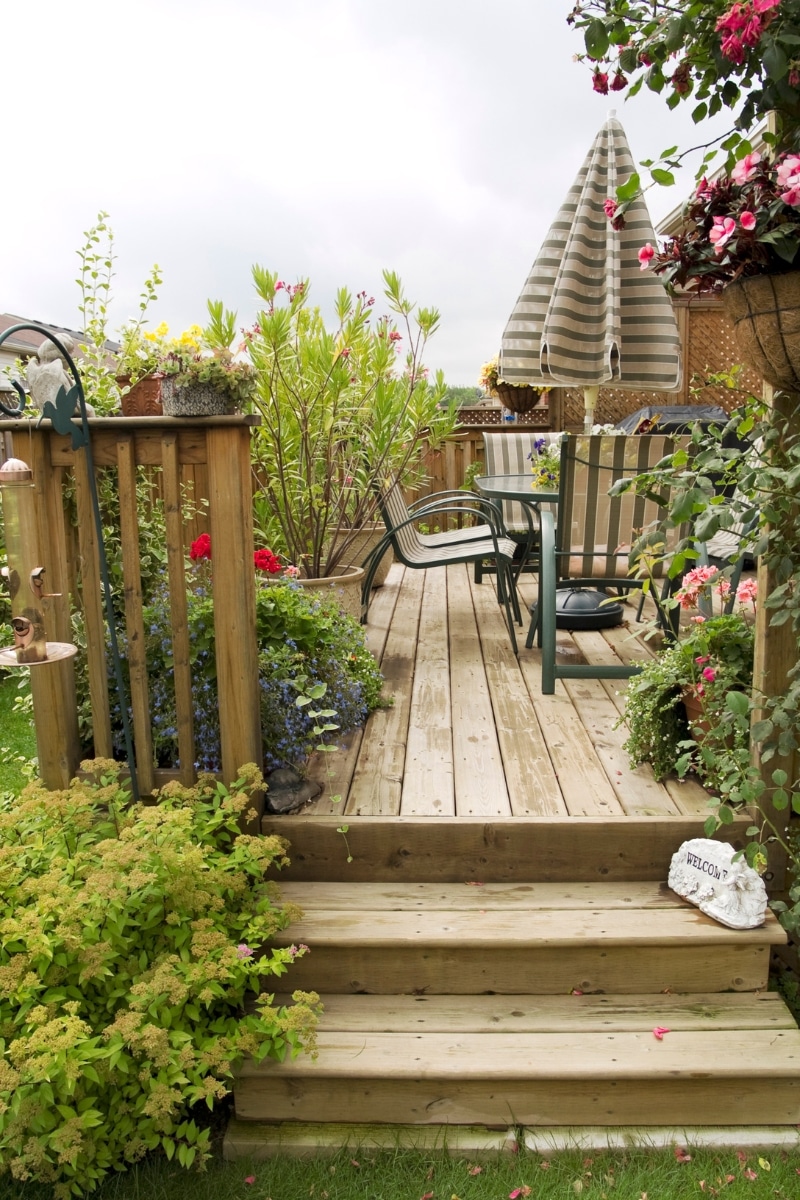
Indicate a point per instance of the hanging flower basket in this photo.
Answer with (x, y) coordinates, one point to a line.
(519, 398)
(765, 310)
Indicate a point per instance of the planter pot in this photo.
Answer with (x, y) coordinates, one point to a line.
(695, 713)
(765, 310)
(143, 399)
(519, 399)
(367, 540)
(345, 589)
(192, 400)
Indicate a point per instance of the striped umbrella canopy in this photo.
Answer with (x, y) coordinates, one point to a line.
(588, 315)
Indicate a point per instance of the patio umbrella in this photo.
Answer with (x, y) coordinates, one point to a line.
(588, 315)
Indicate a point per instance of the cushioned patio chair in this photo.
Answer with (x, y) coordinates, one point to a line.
(484, 540)
(510, 454)
(592, 543)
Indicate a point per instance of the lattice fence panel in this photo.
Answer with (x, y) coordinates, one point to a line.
(709, 347)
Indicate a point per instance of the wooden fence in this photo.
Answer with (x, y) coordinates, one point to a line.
(212, 456)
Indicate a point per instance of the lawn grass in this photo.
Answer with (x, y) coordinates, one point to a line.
(17, 739)
(410, 1175)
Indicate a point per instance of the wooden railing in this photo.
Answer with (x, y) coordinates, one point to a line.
(210, 457)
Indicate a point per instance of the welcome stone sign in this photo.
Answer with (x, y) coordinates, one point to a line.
(704, 873)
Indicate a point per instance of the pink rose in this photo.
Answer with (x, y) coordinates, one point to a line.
(600, 83)
(733, 48)
(610, 207)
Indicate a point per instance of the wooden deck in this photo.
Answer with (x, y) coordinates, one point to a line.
(469, 733)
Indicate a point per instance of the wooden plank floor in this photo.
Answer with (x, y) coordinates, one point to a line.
(468, 731)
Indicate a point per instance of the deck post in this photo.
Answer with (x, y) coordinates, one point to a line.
(776, 652)
(233, 581)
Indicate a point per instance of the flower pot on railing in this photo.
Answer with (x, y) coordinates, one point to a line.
(143, 399)
(765, 310)
(193, 399)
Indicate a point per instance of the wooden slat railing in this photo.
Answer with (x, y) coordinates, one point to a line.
(213, 453)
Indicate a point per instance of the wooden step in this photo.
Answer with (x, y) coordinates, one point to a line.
(408, 849)
(532, 939)
(571, 1060)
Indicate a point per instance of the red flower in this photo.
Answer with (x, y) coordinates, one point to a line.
(618, 82)
(600, 82)
(201, 548)
(265, 560)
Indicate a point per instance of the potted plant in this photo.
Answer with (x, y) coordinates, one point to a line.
(681, 697)
(742, 233)
(342, 411)
(516, 397)
(201, 374)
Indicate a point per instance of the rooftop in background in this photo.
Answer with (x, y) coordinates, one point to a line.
(26, 342)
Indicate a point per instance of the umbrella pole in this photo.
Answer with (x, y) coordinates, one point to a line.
(589, 403)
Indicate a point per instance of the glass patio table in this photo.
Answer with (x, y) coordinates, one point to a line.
(519, 488)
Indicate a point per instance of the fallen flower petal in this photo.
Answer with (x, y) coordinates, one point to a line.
(249, 1178)
(681, 1155)
(659, 1032)
(475, 1170)
(427, 1196)
(750, 1174)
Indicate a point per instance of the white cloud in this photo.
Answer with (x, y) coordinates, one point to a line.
(328, 138)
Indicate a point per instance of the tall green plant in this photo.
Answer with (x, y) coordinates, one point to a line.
(718, 485)
(341, 413)
(98, 364)
(129, 939)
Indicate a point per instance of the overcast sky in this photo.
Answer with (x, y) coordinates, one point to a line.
(320, 138)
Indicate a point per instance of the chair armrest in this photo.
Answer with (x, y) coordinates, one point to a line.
(547, 601)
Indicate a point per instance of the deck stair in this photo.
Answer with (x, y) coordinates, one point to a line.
(526, 1004)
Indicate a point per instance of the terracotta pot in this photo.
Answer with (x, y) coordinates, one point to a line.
(345, 588)
(519, 399)
(143, 399)
(695, 713)
(765, 310)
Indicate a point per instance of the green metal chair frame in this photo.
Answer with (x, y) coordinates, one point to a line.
(472, 544)
(509, 454)
(591, 544)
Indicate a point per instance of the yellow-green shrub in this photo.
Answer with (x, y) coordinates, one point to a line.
(129, 938)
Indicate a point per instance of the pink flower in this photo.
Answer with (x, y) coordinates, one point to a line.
(645, 254)
(747, 591)
(292, 572)
(704, 189)
(395, 336)
(746, 167)
(733, 48)
(734, 19)
(794, 78)
(751, 34)
(610, 207)
(747, 221)
(600, 83)
(244, 951)
(709, 674)
(791, 197)
(788, 170)
(765, 5)
(721, 232)
(618, 82)
(659, 1032)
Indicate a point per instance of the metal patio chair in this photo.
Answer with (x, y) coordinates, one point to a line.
(486, 539)
(592, 543)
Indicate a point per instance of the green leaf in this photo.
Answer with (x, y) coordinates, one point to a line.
(725, 815)
(738, 703)
(665, 178)
(596, 39)
(630, 188)
(779, 777)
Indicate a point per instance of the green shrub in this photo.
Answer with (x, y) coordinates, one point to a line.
(130, 936)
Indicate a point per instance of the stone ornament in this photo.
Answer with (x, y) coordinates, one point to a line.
(703, 872)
